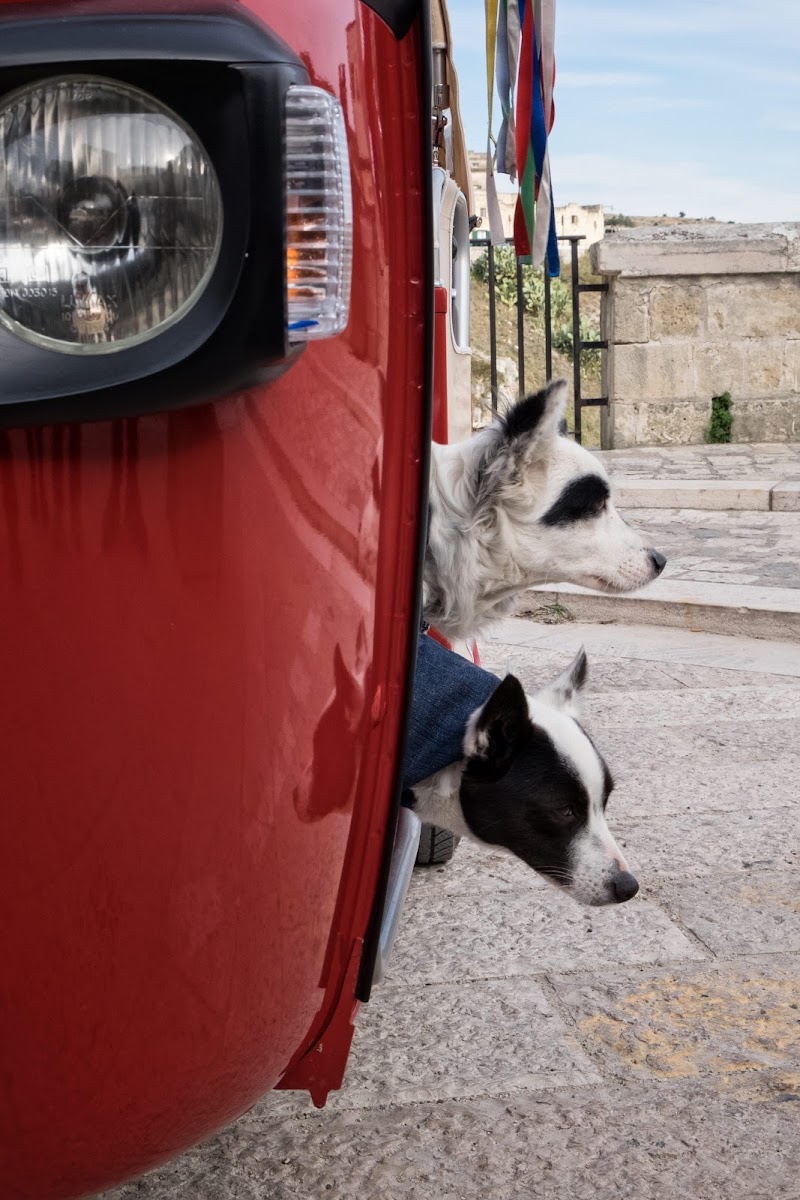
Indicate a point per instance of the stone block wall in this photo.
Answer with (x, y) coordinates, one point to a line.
(693, 311)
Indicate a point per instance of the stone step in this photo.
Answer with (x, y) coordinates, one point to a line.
(735, 461)
(736, 610)
(757, 549)
(744, 495)
(689, 658)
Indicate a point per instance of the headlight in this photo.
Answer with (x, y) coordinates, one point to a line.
(110, 215)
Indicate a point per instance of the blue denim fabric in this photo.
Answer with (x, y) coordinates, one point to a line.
(447, 690)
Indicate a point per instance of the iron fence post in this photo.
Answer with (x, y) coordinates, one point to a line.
(579, 346)
(492, 331)
(576, 336)
(548, 329)
(520, 331)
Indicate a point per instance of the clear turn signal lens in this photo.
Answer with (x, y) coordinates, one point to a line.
(319, 215)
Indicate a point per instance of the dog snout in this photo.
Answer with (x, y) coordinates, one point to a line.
(625, 886)
(658, 561)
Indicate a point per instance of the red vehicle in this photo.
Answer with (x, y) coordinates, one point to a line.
(216, 332)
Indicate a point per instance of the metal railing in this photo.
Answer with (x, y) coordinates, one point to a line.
(578, 345)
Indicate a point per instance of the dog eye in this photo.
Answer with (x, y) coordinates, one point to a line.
(566, 813)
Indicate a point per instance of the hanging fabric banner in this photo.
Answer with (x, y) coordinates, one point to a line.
(506, 158)
(492, 204)
(514, 34)
(543, 243)
(545, 23)
(526, 167)
(520, 59)
(534, 219)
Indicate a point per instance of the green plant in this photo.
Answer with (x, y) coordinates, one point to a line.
(619, 219)
(562, 340)
(551, 614)
(721, 419)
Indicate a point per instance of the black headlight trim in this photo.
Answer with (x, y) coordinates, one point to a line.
(226, 76)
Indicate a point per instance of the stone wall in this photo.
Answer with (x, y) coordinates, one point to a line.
(693, 311)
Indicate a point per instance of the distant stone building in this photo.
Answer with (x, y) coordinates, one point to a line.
(586, 221)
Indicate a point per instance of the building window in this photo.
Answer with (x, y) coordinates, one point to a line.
(574, 219)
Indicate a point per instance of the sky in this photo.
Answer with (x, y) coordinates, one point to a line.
(663, 107)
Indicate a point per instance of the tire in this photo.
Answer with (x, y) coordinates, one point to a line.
(436, 846)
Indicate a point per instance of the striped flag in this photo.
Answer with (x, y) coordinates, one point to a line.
(520, 56)
(495, 216)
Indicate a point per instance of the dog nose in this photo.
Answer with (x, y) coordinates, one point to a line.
(625, 886)
(658, 561)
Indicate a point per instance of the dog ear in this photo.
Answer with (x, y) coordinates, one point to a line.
(496, 730)
(533, 424)
(564, 692)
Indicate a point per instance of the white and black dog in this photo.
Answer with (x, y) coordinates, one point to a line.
(532, 781)
(518, 505)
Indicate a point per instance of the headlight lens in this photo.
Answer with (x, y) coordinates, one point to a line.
(110, 215)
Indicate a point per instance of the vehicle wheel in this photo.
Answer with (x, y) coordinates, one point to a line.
(436, 845)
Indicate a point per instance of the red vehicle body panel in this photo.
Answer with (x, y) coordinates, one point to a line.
(205, 625)
(441, 318)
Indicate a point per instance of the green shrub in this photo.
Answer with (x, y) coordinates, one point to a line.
(620, 219)
(505, 273)
(721, 419)
(562, 340)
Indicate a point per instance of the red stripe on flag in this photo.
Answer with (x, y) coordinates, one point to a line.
(522, 235)
(525, 91)
(522, 243)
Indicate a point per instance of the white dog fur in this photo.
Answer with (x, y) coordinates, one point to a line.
(517, 505)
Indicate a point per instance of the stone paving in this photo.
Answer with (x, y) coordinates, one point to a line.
(735, 573)
(760, 548)
(720, 515)
(523, 1046)
(739, 460)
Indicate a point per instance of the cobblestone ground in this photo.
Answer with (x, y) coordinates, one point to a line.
(527, 1047)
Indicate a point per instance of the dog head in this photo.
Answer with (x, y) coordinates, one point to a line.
(557, 499)
(519, 505)
(534, 783)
